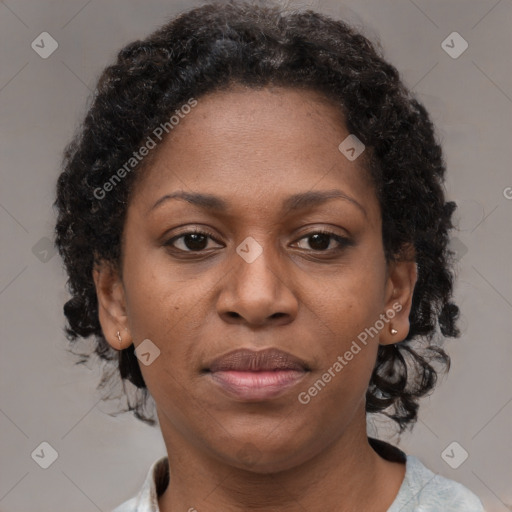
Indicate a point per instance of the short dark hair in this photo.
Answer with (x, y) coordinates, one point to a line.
(208, 49)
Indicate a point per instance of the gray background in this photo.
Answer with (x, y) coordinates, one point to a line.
(102, 460)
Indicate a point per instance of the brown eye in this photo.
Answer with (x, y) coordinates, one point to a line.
(321, 241)
(191, 241)
(195, 241)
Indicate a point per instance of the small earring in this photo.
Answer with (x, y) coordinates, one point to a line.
(118, 334)
(393, 331)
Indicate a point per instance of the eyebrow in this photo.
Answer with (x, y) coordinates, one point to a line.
(294, 202)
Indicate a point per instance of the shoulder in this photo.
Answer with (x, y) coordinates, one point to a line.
(127, 506)
(425, 491)
(156, 481)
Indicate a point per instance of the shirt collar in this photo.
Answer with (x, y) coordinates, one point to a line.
(156, 482)
(157, 478)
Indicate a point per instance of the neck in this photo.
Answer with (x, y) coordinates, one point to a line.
(346, 475)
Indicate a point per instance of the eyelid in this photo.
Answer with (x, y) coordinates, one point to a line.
(342, 240)
(191, 231)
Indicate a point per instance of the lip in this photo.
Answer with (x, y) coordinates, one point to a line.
(247, 360)
(257, 386)
(249, 375)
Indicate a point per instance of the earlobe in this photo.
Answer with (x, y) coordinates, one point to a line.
(402, 277)
(111, 305)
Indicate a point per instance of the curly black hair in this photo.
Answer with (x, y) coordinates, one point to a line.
(220, 44)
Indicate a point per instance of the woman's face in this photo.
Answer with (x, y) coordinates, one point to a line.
(259, 280)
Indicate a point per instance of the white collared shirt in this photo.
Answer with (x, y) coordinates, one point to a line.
(421, 491)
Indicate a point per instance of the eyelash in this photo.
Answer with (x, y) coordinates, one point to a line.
(343, 241)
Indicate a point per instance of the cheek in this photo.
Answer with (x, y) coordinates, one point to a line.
(158, 299)
(345, 362)
(169, 311)
(351, 301)
(346, 311)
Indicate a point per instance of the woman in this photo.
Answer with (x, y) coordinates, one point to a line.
(252, 218)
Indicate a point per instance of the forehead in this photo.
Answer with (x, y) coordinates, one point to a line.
(247, 143)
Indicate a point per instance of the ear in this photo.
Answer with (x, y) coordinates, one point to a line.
(401, 280)
(111, 305)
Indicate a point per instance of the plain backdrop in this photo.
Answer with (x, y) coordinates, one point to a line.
(45, 398)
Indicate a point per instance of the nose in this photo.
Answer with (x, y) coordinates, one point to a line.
(258, 293)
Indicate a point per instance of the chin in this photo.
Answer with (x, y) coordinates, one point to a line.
(255, 460)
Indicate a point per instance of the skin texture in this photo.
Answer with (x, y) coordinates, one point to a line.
(254, 148)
